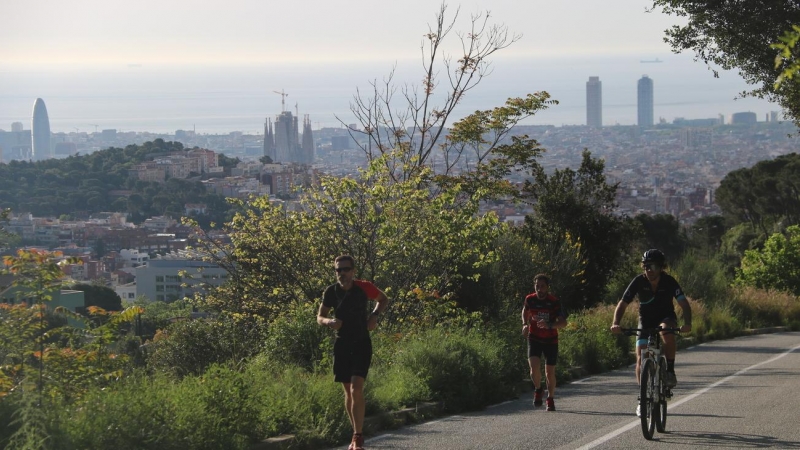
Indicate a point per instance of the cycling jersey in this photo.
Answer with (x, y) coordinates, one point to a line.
(654, 306)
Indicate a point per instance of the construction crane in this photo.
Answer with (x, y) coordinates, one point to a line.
(95, 127)
(283, 99)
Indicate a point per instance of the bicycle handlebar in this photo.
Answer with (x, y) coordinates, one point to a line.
(658, 329)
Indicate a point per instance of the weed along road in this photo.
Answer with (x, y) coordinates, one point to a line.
(737, 393)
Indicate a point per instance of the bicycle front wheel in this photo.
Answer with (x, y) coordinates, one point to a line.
(648, 399)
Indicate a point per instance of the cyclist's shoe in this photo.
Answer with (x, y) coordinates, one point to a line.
(670, 380)
(551, 405)
(537, 397)
(638, 410)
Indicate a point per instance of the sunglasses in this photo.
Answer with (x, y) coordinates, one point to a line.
(651, 267)
(343, 269)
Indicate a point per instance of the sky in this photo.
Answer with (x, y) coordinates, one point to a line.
(91, 32)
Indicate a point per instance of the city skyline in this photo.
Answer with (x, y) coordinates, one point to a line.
(125, 70)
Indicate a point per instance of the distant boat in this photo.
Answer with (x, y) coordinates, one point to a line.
(651, 61)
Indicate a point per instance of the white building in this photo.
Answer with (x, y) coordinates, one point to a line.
(173, 279)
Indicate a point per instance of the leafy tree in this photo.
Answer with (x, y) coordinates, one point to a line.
(739, 35)
(404, 236)
(663, 231)
(578, 205)
(776, 266)
(265, 160)
(706, 234)
(100, 296)
(764, 194)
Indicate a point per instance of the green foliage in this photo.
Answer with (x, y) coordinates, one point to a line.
(499, 291)
(703, 279)
(414, 240)
(189, 347)
(464, 369)
(735, 242)
(664, 232)
(763, 194)
(294, 338)
(578, 205)
(706, 235)
(217, 410)
(101, 296)
(740, 35)
(787, 58)
(56, 187)
(758, 308)
(587, 342)
(776, 266)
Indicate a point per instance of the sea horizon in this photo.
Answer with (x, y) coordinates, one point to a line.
(222, 99)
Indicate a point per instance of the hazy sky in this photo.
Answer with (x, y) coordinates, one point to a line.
(78, 32)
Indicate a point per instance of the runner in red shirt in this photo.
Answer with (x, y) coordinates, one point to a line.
(542, 316)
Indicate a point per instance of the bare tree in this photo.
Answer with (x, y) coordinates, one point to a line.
(409, 127)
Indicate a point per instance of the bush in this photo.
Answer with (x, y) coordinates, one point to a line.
(189, 347)
(296, 338)
(464, 369)
(587, 341)
(703, 279)
(766, 308)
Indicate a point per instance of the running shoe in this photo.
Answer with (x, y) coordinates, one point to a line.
(537, 397)
(358, 442)
(551, 405)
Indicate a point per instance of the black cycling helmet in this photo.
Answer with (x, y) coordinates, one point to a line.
(653, 255)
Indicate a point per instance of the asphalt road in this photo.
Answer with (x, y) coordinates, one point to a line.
(738, 393)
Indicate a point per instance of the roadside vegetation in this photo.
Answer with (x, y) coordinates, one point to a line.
(258, 365)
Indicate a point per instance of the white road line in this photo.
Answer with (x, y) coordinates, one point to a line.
(637, 422)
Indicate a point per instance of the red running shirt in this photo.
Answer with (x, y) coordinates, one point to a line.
(548, 308)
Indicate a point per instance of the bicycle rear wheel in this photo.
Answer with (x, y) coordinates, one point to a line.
(661, 388)
(648, 399)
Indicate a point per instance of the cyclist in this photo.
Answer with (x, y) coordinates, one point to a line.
(655, 290)
(542, 316)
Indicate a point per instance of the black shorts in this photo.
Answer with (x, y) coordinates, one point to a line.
(644, 336)
(351, 358)
(535, 349)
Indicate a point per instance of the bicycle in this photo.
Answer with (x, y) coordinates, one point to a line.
(653, 391)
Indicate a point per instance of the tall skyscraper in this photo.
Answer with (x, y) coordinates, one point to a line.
(645, 101)
(594, 102)
(40, 130)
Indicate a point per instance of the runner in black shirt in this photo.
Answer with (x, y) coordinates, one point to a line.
(352, 351)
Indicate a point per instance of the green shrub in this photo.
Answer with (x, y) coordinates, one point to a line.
(296, 338)
(703, 279)
(461, 368)
(766, 308)
(189, 347)
(587, 340)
